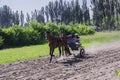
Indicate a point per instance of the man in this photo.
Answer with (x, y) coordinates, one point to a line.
(77, 40)
(71, 42)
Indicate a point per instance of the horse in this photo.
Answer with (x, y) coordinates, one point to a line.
(56, 41)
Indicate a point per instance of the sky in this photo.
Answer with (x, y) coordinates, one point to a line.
(28, 5)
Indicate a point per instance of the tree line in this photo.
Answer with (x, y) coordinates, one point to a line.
(59, 11)
(106, 13)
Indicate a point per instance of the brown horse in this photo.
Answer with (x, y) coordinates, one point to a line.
(54, 42)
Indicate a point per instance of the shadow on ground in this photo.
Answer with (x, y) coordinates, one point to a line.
(74, 60)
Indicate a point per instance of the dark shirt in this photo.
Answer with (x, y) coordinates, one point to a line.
(71, 40)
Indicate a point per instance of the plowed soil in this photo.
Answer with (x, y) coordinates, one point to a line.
(101, 63)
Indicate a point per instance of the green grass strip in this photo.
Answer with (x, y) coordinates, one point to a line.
(100, 38)
(31, 52)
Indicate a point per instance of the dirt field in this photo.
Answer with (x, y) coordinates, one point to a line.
(100, 63)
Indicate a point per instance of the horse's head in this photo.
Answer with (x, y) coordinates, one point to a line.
(47, 34)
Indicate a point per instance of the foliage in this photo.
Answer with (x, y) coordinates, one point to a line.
(106, 13)
(85, 30)
(1, 42)
(1, 38)
(81, 29)
(39, 28)
(58, 11)
(53, 28)
(18, 36)
(5, 16)
(35, 33)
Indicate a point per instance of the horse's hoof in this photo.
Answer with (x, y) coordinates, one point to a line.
(50, 62)
(53, 55)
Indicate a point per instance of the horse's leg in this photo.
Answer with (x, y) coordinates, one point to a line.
(51, 54)
(59, 51)
(62, 50)
(67, 49)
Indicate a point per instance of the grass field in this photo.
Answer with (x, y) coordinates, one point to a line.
(30, 52)
(100, 38)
